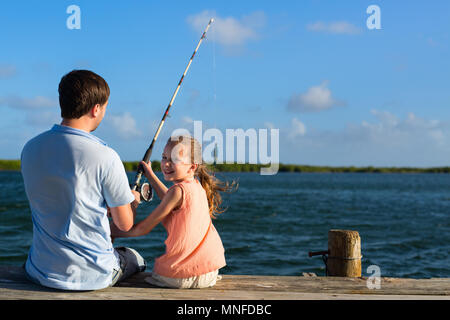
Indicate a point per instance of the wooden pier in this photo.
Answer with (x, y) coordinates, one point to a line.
(15, 286)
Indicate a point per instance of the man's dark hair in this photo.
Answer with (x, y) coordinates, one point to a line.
(79, 91)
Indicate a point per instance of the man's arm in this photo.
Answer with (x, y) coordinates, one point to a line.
(123, 216)
(117, 193)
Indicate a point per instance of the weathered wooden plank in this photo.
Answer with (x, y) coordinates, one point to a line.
(14, 285)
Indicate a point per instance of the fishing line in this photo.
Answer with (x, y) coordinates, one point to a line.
(214, 89)
(145, 189)
(214, 71)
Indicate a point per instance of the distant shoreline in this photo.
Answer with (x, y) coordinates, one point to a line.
(14, 165)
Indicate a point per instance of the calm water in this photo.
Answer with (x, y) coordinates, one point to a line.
(273, 221)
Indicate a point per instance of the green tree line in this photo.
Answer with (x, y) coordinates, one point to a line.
(130, 166)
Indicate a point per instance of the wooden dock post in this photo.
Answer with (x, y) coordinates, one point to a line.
(344, 253)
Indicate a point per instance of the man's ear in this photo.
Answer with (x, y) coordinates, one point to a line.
(95, 111)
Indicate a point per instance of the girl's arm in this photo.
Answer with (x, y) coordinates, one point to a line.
(156, 184)
(172, 200)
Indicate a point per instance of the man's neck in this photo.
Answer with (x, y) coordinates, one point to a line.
(80, 124)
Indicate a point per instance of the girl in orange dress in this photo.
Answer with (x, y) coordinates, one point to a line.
(194, 251)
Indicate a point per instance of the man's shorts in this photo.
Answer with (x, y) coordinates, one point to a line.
(131, 262)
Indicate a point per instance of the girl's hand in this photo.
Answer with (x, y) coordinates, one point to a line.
(172, 200)
(148, 171)
(156, 184)
(137, 199)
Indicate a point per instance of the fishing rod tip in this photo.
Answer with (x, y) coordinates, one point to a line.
(212, 20)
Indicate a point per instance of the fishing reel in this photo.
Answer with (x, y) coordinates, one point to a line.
(145, 191)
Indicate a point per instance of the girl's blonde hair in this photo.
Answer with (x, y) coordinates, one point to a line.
(209, 182)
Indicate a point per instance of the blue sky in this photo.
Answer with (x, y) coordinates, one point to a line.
(339, 93)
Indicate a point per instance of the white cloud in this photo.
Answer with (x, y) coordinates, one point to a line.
(431, 42)
(43, 118)
(336, 27)
(315, 99)
(297, 129)
(37, 102)
(7, 71)
(39, 111)
(386, 118)
(187, 120)
(384, 140)
(229, 31)
(394, 131)
(269, 125)
(123, 125)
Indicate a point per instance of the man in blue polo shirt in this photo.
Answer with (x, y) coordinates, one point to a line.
(71, 179)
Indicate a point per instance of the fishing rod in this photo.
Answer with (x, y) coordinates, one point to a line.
(145, 189)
